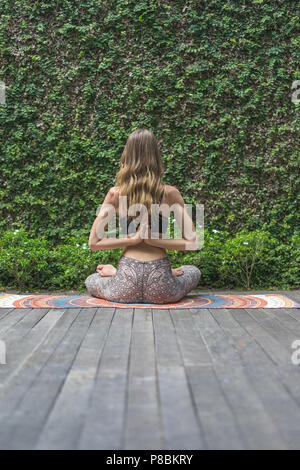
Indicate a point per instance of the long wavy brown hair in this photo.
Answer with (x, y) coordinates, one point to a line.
(141, 170)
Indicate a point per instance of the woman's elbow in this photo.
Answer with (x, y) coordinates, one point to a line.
(94, 247)
(192, 243)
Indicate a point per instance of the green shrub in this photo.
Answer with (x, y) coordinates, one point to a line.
(33, 263)
(24, 262)
(72, 263)
(248, 260)
(208, 259)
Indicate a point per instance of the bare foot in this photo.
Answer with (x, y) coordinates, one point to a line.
(106, 270)
(177, 272)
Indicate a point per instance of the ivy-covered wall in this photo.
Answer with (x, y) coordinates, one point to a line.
(212, 79)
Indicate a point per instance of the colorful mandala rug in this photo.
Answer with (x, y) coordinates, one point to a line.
(190, 301)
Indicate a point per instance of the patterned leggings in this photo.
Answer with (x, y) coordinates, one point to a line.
(143, 282)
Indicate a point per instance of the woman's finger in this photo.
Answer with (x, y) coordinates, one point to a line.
(145, 230)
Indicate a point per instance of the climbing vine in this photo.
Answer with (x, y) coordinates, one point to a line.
(212, 79)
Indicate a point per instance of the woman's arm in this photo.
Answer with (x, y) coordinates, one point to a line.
(97, 241)
(113, 243)
(173, 243)
(189, 240)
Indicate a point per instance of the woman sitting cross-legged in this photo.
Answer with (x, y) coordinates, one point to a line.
(143, 273)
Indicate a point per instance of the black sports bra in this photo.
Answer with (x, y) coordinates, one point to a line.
(163, 223)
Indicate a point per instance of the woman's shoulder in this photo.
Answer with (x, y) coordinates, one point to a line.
(114, 192)
(169, 189)
(172, 193)
(113, 195)
(114, 189)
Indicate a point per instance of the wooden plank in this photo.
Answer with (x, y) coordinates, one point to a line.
(220, 429)
(24, 324)
(274, 327)
(263, 377)
(4, 312)
(180, 424)
(143, 427)
(65, 422)
(167, 350)
(286, 370)
(12, 319)
(25, 338)
(33, 410)
(192, 348)
(12, 392)
(271, 345)
(283, 316)
(104, 425)
(294, 313)
(257, 427)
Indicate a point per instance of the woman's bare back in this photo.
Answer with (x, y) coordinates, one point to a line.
(142, 251)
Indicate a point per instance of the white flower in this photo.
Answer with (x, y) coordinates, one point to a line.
(216, 231)
(246, 243)
(16, 231)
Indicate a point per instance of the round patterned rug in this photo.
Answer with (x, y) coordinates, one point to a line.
(191, 301)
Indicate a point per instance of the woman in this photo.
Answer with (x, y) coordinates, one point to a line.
(144, 273)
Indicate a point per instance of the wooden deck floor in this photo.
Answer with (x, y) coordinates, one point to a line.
(150, 379)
